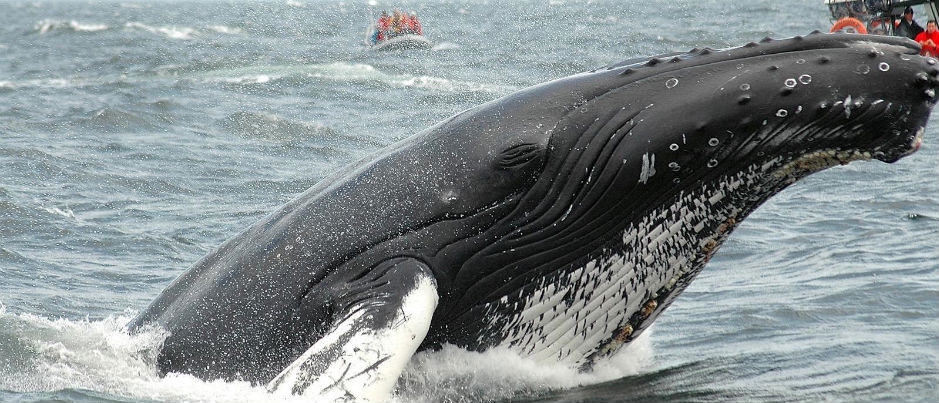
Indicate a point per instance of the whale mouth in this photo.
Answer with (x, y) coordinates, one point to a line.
(905, 149)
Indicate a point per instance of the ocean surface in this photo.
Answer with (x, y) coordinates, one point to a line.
(137, 136)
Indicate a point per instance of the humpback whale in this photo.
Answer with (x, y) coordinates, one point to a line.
(557, 222)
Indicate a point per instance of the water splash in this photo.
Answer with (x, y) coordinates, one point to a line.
(456, 375)
(42, 355)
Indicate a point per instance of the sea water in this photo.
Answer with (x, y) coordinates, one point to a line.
(137, 136)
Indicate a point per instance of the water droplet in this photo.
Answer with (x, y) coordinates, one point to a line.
(712, 163)
(883, 66)
(790, 82)
(713, 141)
(805, 79)
(744, 87)
(676, 181)
(800, 61)
(673, 147)
(782, 113)
(862, 69)
(674, 166)
(671, 83)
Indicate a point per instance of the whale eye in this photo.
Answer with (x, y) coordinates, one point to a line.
(518, 155)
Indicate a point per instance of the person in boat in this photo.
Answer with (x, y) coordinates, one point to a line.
(381, 28)
(416, 24)
(396, 27)
(878, 27)
(406, 24)
(929, 39)
(398, 23)
(908, 26)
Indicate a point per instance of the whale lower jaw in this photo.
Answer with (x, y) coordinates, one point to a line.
(820, 160)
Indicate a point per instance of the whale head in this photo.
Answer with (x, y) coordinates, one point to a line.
(645, 168)
(817, 100)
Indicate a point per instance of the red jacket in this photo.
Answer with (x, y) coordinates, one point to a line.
(929, 49)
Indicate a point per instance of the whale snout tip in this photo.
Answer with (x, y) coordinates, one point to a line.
(896, 153)
(929, 81)
(917, 140)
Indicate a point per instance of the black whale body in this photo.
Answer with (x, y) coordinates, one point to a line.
(558, 221)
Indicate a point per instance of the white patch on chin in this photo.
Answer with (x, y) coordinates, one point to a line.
(648, 167)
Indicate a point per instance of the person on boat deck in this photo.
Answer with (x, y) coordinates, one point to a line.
(929, 39)
(877, 27)
(908, 26)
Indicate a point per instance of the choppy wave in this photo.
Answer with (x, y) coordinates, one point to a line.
(172, 32)
(272, 127)
(351, 73)
(49, 25)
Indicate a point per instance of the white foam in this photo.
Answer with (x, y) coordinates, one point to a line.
(445, 46)
(225, 30)
(47, 25)
(454, 374)
(448, 85)
(68, 213)
(251, 79)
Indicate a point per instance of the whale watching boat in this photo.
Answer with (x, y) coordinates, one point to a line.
(879, 17)
(398, 30)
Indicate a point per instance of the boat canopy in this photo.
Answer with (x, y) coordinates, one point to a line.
(880, 16)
